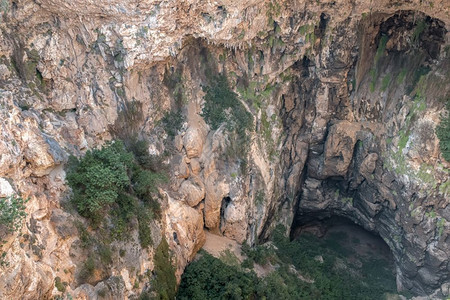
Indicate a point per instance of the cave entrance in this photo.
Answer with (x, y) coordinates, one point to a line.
(348, 250)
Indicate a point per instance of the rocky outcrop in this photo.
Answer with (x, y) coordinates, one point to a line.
(344, 98)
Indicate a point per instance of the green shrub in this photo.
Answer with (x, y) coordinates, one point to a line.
(145, 237)
(113, 178)
(60, 286)
(12, 212)
(146, 161)
(210, 278)
(88, 269)
(125, 206)
(172, 122)
(164, 282)
(329, 282)
(98, 178)
(258, 254)
(145, 182)
(105, 254)
(223, 106)
(443, 133)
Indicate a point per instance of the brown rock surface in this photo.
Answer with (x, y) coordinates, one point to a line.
(333, 120)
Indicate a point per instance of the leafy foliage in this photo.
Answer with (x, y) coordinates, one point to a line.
(223, 106)
(88, 269)
(145, 238)
(99, 177)
(12, 212)
(164, 282)
(118, 182)
(148, 162)
(443, 133)
(211, 278)
(259, 254)
(331, 282)
(172, 122)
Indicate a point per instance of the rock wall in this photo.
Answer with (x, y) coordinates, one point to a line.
(344, 98)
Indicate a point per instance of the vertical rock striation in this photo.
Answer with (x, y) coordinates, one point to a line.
(343, 96)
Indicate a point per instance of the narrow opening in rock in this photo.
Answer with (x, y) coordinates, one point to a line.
(225, 202)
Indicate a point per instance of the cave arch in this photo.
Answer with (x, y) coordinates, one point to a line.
(346, 172)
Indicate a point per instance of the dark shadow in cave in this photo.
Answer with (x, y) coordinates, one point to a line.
(357, 250)
(225, 202)
(324, 227)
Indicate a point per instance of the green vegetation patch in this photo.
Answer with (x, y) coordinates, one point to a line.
(12, 212)
(317, 261)
(210, 278)
(222, 107)
(172, 122)
(330, 281)
(164, 282)
(98, 178)
(118, 183)
(443, 132)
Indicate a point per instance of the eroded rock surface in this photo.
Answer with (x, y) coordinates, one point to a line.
(344, 98)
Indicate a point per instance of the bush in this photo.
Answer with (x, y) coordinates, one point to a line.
(87, 270)
(112, 177)
(145, 237)
(172, 122)
(12, 212)
(60, 286)
(258, 254)
(98, 178)
(145, 183)
(164, 282)
(210, 278)
(143, 158)
(223, 106)
(443, 133)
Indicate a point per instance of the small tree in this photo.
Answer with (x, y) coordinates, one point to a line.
(99, 177)
(165, 282)
(12, 212)
(443, 133)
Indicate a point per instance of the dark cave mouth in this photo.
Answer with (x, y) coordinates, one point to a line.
(346, 249)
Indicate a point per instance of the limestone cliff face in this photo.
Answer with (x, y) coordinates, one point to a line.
(344, 98)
